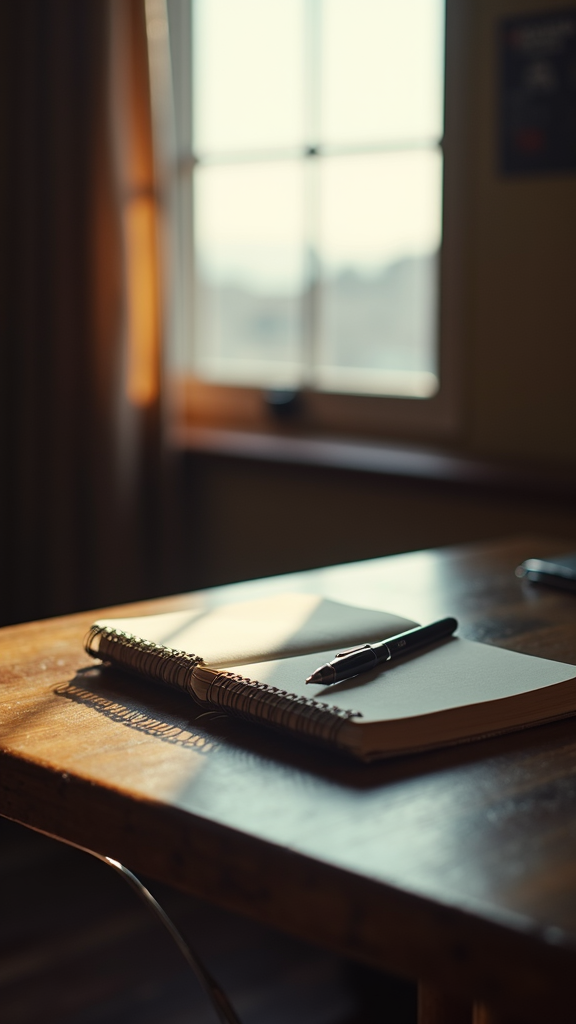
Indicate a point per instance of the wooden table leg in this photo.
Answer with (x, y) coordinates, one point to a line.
(435, 1007)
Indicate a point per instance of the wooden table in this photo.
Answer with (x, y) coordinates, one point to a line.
(456, 867)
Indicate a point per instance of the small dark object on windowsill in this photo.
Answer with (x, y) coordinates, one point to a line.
(283, 404)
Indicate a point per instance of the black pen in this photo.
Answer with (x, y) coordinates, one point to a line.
(361, 659)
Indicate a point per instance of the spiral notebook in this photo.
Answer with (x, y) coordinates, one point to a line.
(251, 661)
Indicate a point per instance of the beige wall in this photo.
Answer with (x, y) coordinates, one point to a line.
(245, 518)
(519, 321)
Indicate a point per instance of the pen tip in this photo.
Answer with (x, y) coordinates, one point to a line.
(322, 676)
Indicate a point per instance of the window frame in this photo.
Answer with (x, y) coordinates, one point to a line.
(438, 417)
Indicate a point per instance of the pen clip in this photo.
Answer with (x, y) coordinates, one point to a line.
(352, 650)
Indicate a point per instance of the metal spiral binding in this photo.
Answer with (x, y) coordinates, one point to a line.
(259, 702)
(143, 657)
(242, 697)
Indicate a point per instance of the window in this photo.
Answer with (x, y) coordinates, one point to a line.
(310, 173)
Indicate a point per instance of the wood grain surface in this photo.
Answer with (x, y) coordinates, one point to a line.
(457, 867)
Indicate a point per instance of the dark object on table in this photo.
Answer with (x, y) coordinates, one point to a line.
(559, 571)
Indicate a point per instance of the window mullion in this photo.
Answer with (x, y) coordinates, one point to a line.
(311, 240)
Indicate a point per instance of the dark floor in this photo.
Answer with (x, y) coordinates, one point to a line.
(78, 947)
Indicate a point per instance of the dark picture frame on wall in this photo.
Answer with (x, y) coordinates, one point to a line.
(537, 94)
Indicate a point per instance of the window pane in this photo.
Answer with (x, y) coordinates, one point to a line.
(380, 235)
(249, 273)
(248, 74)
(382, 70)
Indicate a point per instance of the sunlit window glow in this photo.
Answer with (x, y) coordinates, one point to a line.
(317, 131)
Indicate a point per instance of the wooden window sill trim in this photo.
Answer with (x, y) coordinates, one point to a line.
(387, 460)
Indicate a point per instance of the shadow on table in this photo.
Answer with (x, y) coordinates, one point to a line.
(172, 718)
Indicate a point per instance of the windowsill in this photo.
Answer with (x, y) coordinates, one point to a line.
(381, 459)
